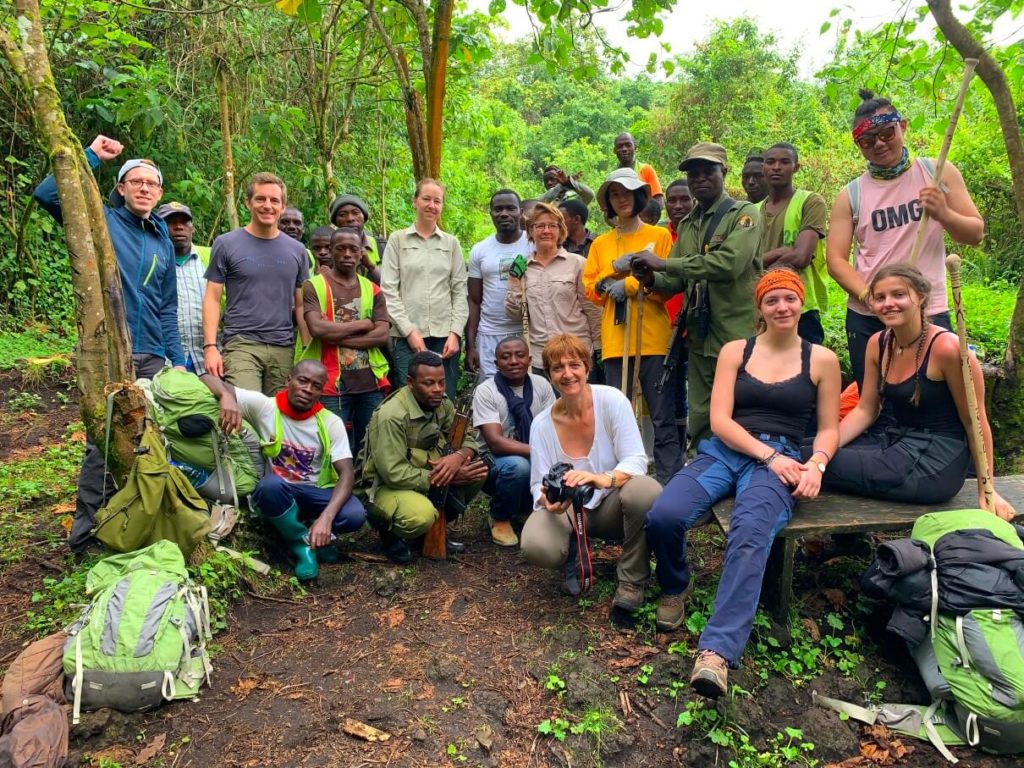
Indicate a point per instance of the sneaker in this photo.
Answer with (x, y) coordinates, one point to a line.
(672, 610)
(502, 534)
(628, 597)
(710, 675)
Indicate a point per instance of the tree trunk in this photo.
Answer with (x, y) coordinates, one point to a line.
(1006, 410)
(230, 206)
(104, 348)
(436, 83)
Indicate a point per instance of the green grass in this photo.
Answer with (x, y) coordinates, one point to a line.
(33, 342)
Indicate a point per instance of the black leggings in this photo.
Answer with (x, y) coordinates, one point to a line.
(900, 465)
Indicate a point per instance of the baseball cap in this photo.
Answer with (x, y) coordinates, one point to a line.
(140, 162)
(706, 152)
(174, 209)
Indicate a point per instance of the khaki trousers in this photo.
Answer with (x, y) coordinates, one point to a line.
(619, 517)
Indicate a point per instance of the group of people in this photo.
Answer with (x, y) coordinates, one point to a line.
(344, 358)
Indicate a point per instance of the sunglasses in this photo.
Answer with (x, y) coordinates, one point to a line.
(886, 133)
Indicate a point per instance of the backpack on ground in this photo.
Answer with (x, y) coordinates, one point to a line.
(156, 502)
(142, 639)
(222, 468)
(971, 662)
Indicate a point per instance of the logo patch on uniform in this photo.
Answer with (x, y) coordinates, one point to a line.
(745, 222)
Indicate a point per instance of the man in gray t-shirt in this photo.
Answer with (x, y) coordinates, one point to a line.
(503, 409)
(262, 270)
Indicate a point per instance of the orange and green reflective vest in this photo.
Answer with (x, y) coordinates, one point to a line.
(328, 353)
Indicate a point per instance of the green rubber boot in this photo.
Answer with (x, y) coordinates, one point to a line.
(295, 535)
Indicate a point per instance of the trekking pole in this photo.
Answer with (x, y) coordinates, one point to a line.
(940, 164)
(978, 452)
(635, 399)
(526, 318)
(624, 381)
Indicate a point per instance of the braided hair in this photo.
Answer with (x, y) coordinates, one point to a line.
(920, 285)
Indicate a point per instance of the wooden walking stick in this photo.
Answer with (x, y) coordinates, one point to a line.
(624, 381)
(635, 399)
(940, 164)
(978, 452)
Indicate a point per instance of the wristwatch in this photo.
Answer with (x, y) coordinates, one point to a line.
(612, 476)
(820, 465)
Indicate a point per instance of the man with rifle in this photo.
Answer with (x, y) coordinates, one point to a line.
(715, 260)
(406, 472)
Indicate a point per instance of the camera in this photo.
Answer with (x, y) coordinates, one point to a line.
(557, 491)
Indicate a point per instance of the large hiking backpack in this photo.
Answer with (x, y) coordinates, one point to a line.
(142, 639)
(972, 664)
(221, 468)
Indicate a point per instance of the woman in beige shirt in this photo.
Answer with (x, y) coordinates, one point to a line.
(552, 288)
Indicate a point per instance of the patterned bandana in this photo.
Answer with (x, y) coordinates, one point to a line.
(878, 172)
(874, 121)
(778, 278)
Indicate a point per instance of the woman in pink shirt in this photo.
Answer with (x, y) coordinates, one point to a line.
(881, 209)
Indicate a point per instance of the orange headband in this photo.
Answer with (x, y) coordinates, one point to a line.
(778, 278)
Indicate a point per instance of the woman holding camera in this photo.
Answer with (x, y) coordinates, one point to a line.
(764, 394)
(592, 429)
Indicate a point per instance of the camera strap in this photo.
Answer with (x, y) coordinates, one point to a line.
(578, 521)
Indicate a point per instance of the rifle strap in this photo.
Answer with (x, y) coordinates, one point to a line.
(578, 521)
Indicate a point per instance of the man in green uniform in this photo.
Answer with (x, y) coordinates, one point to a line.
(715, 260)
(403, 461)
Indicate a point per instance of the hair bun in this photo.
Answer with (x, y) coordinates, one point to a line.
(865, 94)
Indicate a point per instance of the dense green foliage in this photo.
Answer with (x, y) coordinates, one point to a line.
(147, 78)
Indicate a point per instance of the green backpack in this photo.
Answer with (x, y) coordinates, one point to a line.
(220, 468)
(142, 639)
(972, 665)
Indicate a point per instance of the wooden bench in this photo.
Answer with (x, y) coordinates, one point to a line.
(839, 513)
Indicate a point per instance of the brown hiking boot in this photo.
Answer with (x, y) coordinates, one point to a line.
(502, 534)
(710, 675)
(628, 597)
(672, 610)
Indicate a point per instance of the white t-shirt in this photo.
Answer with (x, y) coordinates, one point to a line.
(301, 455)
(489, 261)
(489, 407)
(617, 444)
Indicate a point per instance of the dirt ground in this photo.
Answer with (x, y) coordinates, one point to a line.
(458, 663)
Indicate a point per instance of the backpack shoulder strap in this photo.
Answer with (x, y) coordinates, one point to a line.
(727, 205)
(853, 193)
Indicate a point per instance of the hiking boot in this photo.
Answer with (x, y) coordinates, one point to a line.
(295, 536)
(710, 675)
(628, 597)
(453, 547)
(395, 549)
(502, 534)
(672, 610)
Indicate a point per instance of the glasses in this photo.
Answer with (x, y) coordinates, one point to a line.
(142, 184)
(545, 225)
(886, 133)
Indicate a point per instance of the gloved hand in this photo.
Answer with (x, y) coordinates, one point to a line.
(617, 290)
(622, 265)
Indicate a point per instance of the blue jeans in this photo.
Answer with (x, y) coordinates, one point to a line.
(763, 507)
(274, 495)
(355, 411)
(508, 485)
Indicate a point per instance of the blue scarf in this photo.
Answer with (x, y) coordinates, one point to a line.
(518, 407)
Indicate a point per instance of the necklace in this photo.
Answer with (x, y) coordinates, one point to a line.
(901, 348)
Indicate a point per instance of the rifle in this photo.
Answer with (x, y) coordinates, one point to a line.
(435, 543)
(675, 349)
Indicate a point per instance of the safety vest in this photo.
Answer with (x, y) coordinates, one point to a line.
(328, 477)
(328, 353)
(371, 252)
(813, 275)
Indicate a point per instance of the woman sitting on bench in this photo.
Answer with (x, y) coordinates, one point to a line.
(915, 367)
(765, 391)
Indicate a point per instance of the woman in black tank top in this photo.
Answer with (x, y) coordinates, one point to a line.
(764, 393)
(914, 366)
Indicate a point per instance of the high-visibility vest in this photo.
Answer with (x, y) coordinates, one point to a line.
(328, 353)
(328, 476)
(813, 275)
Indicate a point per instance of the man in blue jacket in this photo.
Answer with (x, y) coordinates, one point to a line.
(145, 260)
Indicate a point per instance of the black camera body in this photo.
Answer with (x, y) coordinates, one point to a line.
(557, 491)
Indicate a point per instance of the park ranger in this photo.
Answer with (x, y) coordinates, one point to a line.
(715, 260)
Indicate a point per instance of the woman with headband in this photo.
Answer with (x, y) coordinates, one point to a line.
(881, 209)
(765, 391)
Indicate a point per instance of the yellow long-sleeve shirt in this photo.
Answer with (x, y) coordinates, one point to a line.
(657, 328)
